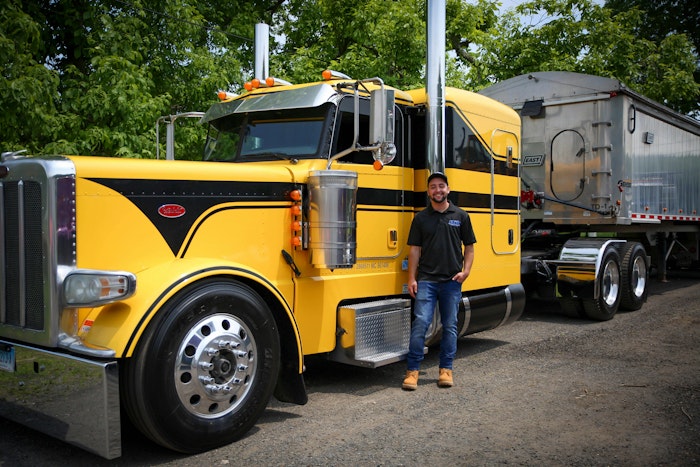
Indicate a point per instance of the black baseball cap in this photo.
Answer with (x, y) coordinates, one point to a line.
(438, 175)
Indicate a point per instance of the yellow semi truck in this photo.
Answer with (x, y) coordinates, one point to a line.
(185, 294)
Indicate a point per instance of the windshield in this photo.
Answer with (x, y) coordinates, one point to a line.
(280, 134)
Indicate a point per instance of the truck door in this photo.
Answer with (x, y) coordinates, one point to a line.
(382, 217)
(505, 224)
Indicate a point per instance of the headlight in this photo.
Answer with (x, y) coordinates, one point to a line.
(84, 288)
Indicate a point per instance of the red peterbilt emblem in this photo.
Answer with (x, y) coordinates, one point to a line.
(171, 211)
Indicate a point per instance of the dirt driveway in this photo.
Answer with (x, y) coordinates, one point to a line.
(547, 390)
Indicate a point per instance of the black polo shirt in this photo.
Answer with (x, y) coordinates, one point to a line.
(440, 236)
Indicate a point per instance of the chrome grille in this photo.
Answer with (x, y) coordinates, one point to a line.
(37, 245)
(22, 255)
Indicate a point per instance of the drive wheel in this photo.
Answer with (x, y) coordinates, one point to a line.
(205, 369)
(605, 306)
(634, 275)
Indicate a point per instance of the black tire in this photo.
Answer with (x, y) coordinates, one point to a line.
(634, 276)
(205, 370)
(605, 306)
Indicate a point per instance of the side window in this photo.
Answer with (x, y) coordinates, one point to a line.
(463, 148)
(345, 131)
(417, 127)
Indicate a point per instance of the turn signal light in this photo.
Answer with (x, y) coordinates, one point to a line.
(295, 195)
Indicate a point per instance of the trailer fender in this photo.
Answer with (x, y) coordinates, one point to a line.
(588, 270)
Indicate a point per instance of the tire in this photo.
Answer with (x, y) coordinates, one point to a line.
(634, 276)
(605, 306)
(204, 372)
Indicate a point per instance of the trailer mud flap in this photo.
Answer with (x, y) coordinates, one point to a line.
(66, 397)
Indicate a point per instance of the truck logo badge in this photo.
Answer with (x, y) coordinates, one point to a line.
(533, 160)
(171, 211)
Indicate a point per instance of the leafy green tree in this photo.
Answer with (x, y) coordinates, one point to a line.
(27, 89)
(666, 19)
(582, 36)
(93, 77)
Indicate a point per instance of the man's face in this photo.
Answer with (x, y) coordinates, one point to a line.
(438, 190)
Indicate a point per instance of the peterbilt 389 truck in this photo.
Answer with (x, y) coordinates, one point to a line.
(185, 294)
(610, 189)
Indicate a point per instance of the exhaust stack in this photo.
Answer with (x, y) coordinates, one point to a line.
(262, 51)
(435, 86)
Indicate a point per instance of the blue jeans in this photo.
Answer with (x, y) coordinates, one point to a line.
(447, 295)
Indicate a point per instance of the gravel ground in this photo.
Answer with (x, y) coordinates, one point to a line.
(547, 390)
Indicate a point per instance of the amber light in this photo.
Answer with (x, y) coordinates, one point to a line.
(295, 195)
(377, 165)
(326, 74)
(223, 95)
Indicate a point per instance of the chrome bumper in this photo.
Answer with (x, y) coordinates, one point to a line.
(66, 397)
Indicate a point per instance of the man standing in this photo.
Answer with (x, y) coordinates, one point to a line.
(440, 258)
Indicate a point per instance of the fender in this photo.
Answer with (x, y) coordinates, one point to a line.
(118, 326)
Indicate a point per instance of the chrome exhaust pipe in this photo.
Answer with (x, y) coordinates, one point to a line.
(262, 51)
(435, 86)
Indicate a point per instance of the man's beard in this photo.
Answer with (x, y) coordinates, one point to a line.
(438, 198)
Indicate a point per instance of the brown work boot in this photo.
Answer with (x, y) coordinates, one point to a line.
(410, 383)
(445, 378)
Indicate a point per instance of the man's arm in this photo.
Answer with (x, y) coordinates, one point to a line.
(413, 258)
(466, 266)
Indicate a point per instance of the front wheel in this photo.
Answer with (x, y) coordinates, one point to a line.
(606, 304)
(205, 369)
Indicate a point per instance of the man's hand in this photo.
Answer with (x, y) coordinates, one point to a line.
(413, 288)
(460, 277)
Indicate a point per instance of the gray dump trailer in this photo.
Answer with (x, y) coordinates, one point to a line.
(610, 189)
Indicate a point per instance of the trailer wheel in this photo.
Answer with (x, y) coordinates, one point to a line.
(605, 306)
(205, 371)
(634, 276)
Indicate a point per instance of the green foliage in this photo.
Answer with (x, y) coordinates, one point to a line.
(94, 76)
(582, 36)
(27, 89)
(384, 38)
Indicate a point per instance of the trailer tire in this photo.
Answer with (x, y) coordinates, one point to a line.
(606, 304)
(205, 369)
(634, 274)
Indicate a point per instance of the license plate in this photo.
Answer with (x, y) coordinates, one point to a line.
(7, 357)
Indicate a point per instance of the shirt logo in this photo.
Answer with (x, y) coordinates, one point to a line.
(454, 222)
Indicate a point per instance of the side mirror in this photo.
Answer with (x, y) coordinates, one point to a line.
(381, 123)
